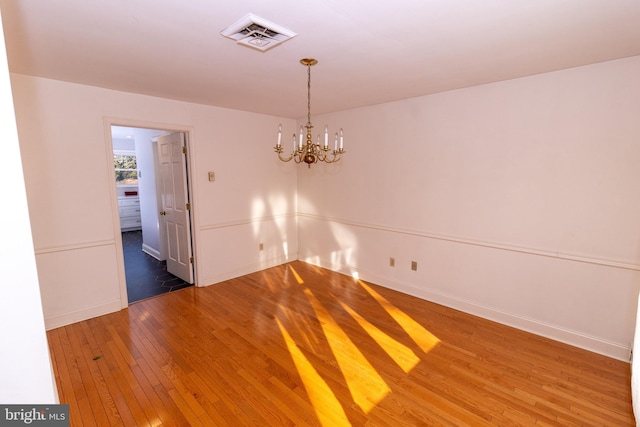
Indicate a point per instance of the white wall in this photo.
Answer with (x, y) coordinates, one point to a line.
(140, 140)
(26, 374)
(519, 200)
(147, 190)
(123, 144)
(64, 134)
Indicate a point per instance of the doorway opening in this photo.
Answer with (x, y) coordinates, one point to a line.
(157, 259)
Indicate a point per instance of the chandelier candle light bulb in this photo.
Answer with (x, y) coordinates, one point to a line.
(308, 152)
(326, 137)
(279, 136)
(300, 141)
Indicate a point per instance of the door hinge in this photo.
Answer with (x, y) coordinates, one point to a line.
(191, 260)
(188, 206)
(184, 150)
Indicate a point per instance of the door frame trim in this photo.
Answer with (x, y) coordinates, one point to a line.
(190, 174)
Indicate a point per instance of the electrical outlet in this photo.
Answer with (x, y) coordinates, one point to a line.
(261, 246)
(392, 262)
(414, 265)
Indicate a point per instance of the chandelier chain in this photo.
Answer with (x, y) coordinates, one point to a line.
(308, 94)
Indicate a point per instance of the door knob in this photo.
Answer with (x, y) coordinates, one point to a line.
(163, 213)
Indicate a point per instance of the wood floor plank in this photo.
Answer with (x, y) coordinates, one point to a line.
(257, 350)
(60, 369)
(82, 405)
(93, 380)
(174, 416)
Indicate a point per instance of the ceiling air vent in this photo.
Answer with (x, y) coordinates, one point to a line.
(257, 33)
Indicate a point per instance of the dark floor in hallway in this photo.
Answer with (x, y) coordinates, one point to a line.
(146, 276)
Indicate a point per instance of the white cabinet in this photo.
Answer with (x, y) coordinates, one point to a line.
(129, 213)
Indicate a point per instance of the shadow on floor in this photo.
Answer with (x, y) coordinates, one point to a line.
(146, 276)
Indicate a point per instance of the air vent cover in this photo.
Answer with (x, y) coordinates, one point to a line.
(257, 33)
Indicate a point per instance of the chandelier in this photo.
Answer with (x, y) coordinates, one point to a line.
(308, 151)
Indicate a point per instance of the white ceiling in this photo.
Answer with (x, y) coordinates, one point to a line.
(368, 52)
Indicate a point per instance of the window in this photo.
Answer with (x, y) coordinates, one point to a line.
(126, 168)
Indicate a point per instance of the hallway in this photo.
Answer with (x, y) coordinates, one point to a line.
(146, 276)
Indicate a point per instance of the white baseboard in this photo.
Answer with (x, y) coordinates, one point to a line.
(53, 322)
(243, 270)
(151, 251)
(574, 338)
(553, 332)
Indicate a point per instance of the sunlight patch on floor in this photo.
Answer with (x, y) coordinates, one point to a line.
(367, 388)
(144, 316)
(326, 405)
(271, 283)
(300, 327)
(421, 336)
(400, 353)
(296, 275)
(365, 384)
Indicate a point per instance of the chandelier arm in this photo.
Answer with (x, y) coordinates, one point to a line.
(336, 155)
(332, 160)
(286, 159)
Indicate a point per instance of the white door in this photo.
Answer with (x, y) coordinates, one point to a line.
(174, 216)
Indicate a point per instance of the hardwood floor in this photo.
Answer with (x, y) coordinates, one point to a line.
(300, 345)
